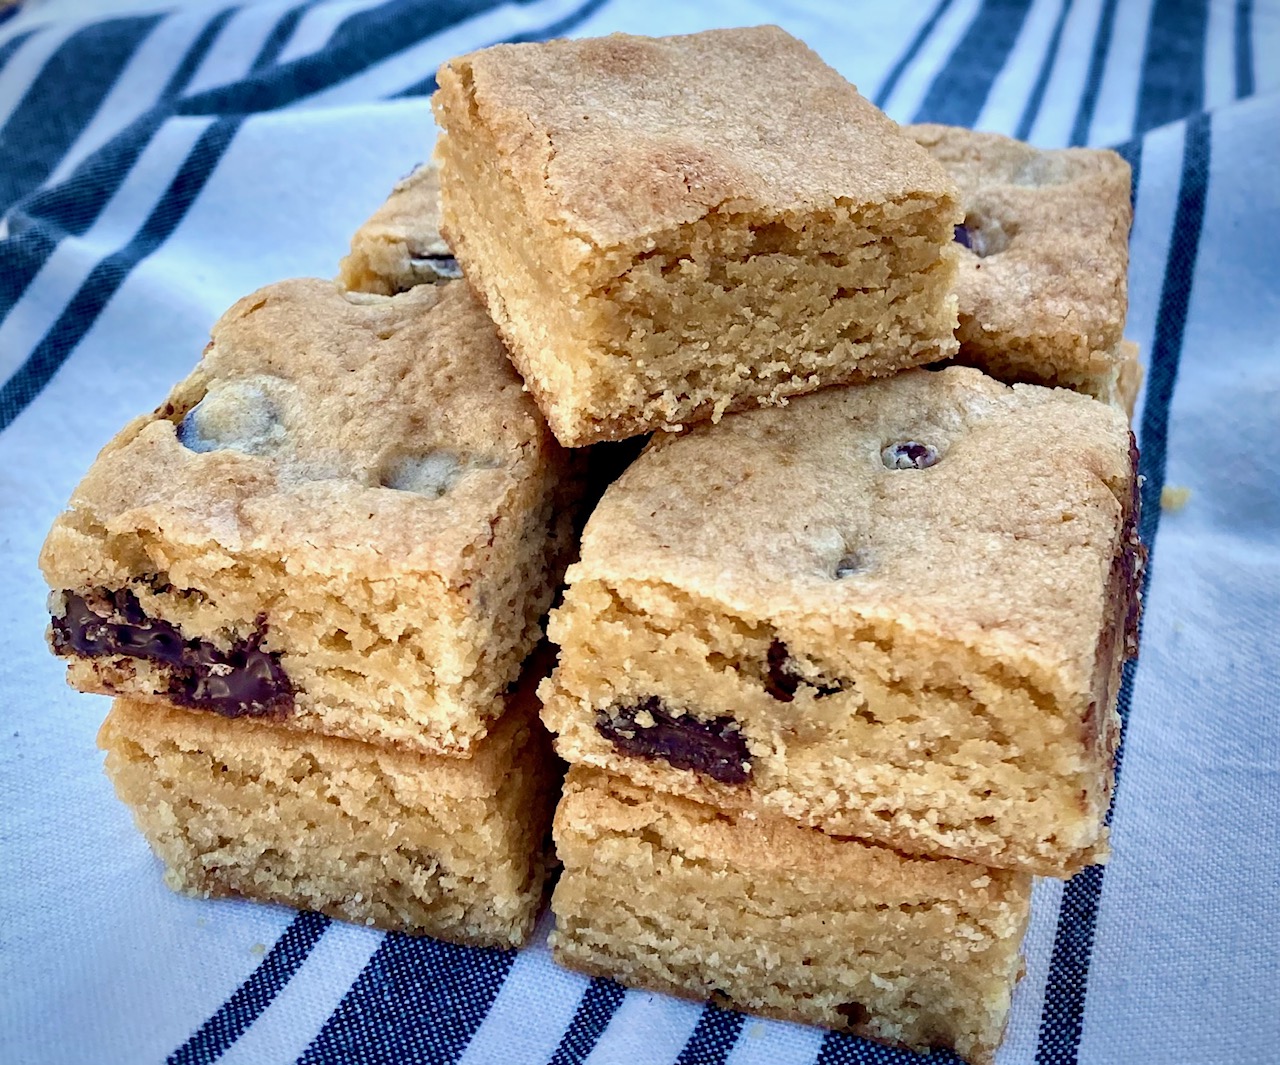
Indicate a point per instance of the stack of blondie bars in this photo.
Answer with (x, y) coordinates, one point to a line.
(839, 655)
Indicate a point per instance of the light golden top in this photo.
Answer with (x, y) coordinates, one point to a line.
(1047, 232)
(619, 138)
(340, 432)
(797, 516)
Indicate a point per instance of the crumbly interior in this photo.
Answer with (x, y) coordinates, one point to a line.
(733, 310)
(889, 735)
(767, 917)
(407, 842)
(405, 658)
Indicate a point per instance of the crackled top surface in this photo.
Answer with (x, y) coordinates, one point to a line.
(337, 430)
(944, 503)
(1045, 237)
(618, 137)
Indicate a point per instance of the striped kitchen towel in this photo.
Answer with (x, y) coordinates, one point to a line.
(159, 161)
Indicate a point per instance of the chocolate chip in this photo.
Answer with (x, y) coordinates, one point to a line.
(909, 455)
(436, 267)
(431, 474)
(962, 235)
(848, 566)
(782, 682)
(237, 415)
(243, 681)
(716, 748)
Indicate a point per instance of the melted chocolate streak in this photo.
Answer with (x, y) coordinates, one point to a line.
(245, 681)
(716, 748)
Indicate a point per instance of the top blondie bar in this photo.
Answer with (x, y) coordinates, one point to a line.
(657, 248)
(349, 518)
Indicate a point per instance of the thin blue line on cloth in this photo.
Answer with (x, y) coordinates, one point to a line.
(69, 209)
(417, 1002)
(279, 36)
(908, 57)
(1062, 1017)
(61, 99)
(1172, 86)
(569, 22)
(713, 1038)
(1093, 79)
(13, 43)
(1036, 99)
(961, 87)
(6, 15)
(1244, 48)
(595, 1010)
(107, 277)
(213, 1037)
(841, 1049)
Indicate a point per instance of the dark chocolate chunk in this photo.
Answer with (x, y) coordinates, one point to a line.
(443, 267)
(848, 566)
(782, 682)
(962, 235)
(716, 747)
(909, 455)
(242, 681)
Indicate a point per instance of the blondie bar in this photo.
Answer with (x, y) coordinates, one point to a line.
(400, 245)
(350, 517)
(656, 247)
(411, 842)
(759, 914)
(1045, 252)
(896, 611)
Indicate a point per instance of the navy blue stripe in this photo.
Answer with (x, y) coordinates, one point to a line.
(1062, 1017)
(1036, 99)
(908, 57)
(1173, 64)
(960, 89)
(106, 278)
(61, 99)
(838, 1049)
(13, 43)
(255, 994)
(592, 1017)
(713, 1038)
(7, 14)
(279, 36)
(567, 24)
(1093, 79)
(1244, 48)
(417, 1002)
(195, 54)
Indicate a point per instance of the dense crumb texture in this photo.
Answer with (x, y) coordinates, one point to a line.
(400, 245)
(656, 248)
(419, 843)
(350, 518)
(761, 915)
(907, 603)
(1043, 261)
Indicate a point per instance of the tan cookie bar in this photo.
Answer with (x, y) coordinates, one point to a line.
(1045, 253)
(762, 915)
(895, 611)
(411, 842)
(400, 245)
(657, 248)
(350, 517)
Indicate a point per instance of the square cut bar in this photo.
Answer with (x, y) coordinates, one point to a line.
(1043, 262)
(761, 915)
(657, 248)
(400, 245)
(350, 517)
(896, 611)
(420, 843)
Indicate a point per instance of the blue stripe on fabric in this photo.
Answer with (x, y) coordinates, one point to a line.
(840, 1049)
(1173, 64)
(417, 1002)
(1062, 1016)
(713, 1038)
(571, 21)
(61, 99)
(908, 57)
(13, 43)
(195, 54)
(1036, 99)
(1093, 79)
(7, 14)
(1244, 48)
(253, 996)
(960, 89)
(592, 1017)
(279, 36)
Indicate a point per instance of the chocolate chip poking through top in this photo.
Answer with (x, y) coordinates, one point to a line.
(436, 267)
(962, 235)
(909, 455)
(244, 681)
(847, 567)
(716, 748)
